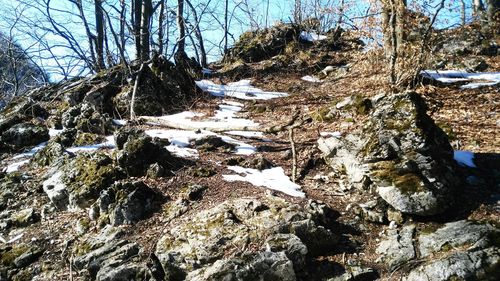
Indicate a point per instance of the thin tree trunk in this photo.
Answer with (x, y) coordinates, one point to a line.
(493, 15)
(181, 43)
(463, 12)
(226, 28)
(99, 26)
(147, 8)
(122, 30)
(160, 26)
(136, 25)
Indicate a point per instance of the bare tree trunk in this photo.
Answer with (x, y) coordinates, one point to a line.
(147, 9)
(181, 43)
(136, 26)
(463, 12)
(226, 27)
(99, 26)
(478, 9)
(161, 17)
(123, 8)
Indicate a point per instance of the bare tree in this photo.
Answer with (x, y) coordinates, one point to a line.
(99, 26)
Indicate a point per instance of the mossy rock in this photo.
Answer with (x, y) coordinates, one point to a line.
(83, 138)
(87, 175)
(49, 154)
(213, 143)
(24, 135)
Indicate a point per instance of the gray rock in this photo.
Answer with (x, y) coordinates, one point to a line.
(49, 154)
(398, 248)
(127, 202)
(24, 135)
(402, 152)
(86, 118)
(292, 246)
(456, 234)
(140, 151)
(478, 265)
(266, 266)
(227, 229)
(356, 273)
(28, 257)
(475, 64)
(25, 217)
(124, 272)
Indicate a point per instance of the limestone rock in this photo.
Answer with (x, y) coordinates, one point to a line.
(266, 266)
(398, 248)
(24, 135)
(127, 202)
(49, 155)
(227, 228)
(86, 118)
(140, 151)
(402, 153)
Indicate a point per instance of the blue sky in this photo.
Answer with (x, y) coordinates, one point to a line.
(212, 30)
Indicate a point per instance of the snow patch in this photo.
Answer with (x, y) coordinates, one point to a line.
(224, 118)
(32, 151)
(273, 178)
(14, 167)
(312, 79)
(454, 76)
(464, 158)
(119, 122)
(311, 36)
(109, 143)
(240, 90)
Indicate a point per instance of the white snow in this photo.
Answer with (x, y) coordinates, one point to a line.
(109, 143)
(454, 76)
(54, 132)
(311, 36)
(207, 71)
(464, 158)
(32, 151)
(273, 178)
(15, 166)
(181, 140)
(240, 90)
(224, 118)
(120, 122)
(312, 79)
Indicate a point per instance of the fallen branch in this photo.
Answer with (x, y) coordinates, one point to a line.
(158, 121)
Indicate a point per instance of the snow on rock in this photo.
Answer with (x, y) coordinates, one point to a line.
(109, 143)
(54, 132)
(464, 158)
(311, 36)
(454, 76)
(273, 178)
(14, 167)
(180, 141)
(240, 90)
(31, 152)
(224, 118)
(312, 79)
(119, 122)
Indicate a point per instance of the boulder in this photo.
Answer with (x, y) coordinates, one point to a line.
(106, 256)
(225, 231)
(24, 135)
(86, 118)
(461, 250)
(127, 202)
(78, 182)
(50, 154)
(265, 266)
(402, 153)
(140, 151)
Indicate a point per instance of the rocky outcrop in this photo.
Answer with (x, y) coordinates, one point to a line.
(79, 181)
(108, 257)
(218, 242)
(463, 250)
(125, 202)
(86, 118)
(24, 135)
(400, 152)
